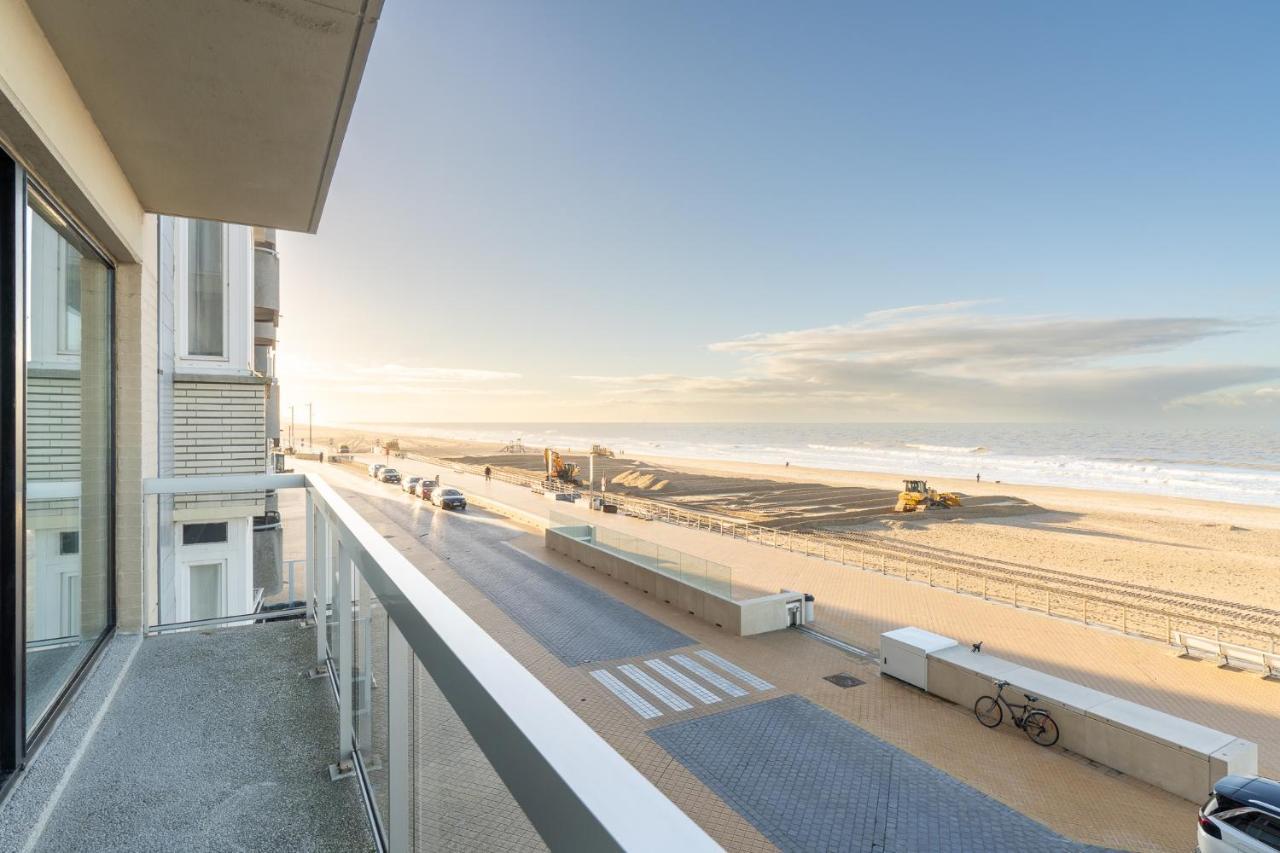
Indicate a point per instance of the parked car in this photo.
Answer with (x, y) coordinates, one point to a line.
(344, 449)
(389, 475)
(425, 487)
(448, 498)
(1243, 814)
(410, 484)
(375, 469)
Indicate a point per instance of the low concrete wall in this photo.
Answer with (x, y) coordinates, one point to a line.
(1180, 756)
(743, 618)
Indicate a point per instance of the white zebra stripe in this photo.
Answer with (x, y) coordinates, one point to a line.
(679, 679)
(665, 695)
(629, 697)
(715, 679)
(735, 670)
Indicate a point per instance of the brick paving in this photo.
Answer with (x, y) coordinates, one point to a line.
(810, 780)
(1071, 796)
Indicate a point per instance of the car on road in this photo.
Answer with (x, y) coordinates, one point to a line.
(1242, 814)
(375, 469)
(448, 498)
(410, 484)
(389, 475)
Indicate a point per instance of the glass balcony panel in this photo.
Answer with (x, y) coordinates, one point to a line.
(459, 801)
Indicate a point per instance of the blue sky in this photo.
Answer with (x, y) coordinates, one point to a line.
(575, 210)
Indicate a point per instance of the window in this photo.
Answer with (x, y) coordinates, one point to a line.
(205, 586)
(68, 542)
(55, 304)
(204, 533)
(1265, 829)
(69, 307)
(206, 290)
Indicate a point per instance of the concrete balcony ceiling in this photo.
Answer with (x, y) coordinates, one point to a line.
(233, 111)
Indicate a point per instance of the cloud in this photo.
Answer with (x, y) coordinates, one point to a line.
(395, 379)
(951, 360)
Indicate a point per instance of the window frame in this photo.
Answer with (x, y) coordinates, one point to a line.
(183, 581)
(237, 303)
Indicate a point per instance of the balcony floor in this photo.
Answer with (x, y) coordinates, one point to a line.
(214, 741)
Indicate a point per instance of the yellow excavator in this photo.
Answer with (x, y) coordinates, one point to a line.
(916, 496)
(557, 468)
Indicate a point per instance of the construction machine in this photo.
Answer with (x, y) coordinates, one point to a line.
(601, 450)
(916, 496)
(557, 468)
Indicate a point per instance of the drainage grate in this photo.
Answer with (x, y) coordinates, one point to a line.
(843, 679)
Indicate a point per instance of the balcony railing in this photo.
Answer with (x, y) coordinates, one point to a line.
(383, 630)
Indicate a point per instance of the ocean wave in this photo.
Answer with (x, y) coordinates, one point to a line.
(942, 448)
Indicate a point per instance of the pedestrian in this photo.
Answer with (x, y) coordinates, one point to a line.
(788, 465)
(979, 476)
(488, 472)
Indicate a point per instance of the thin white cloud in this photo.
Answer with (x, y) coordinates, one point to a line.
(951, 360)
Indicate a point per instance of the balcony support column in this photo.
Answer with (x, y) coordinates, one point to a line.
(342, 601)
(399, 737)
(311, 556)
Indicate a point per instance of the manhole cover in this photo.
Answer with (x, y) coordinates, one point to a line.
(843, 679)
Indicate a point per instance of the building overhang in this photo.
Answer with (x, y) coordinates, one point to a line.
(232, 110)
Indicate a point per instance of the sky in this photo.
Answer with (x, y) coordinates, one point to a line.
(847, 211)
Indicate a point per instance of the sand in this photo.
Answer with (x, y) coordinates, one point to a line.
(1222, 551)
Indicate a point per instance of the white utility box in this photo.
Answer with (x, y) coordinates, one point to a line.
(904, 654)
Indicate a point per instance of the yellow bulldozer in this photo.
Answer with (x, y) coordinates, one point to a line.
(916, 496)
(557, 468)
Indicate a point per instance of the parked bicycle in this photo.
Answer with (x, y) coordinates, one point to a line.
(1036, 722)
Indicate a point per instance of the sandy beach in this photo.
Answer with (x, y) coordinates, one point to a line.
(1222, 551)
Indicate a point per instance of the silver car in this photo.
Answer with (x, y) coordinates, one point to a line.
(1242, 816)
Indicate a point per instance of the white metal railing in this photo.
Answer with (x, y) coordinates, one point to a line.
(577, 792)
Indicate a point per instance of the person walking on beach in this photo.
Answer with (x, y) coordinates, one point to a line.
(488, 472)
(979, 476)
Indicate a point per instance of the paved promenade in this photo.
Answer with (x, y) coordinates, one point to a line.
(1058, 791)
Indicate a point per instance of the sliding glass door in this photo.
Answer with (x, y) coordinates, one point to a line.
(56, 459)
(68, 453)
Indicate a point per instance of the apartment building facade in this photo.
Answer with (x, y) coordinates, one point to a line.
(219, 553)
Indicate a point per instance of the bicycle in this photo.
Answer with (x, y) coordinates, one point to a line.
(1036, 722)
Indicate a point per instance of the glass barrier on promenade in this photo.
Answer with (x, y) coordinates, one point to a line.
(698, 572)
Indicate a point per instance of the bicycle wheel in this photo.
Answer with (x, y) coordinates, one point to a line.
(1041, 728)
(988, 711)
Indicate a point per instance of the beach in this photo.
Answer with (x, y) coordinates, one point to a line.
(1222, 551)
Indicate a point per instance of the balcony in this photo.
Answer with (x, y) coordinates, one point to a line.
(388, 720)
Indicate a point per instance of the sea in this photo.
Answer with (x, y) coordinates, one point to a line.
(1240, 464)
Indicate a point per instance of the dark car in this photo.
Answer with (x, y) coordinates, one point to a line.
(389, 475)
(448, 498)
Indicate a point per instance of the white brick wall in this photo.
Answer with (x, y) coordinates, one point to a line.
(218, 428)
(53, 427)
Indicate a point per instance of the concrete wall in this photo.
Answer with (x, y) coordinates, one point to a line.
(742, 618)
(1177, 755)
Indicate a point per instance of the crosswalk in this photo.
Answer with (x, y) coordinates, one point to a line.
(670, 683)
